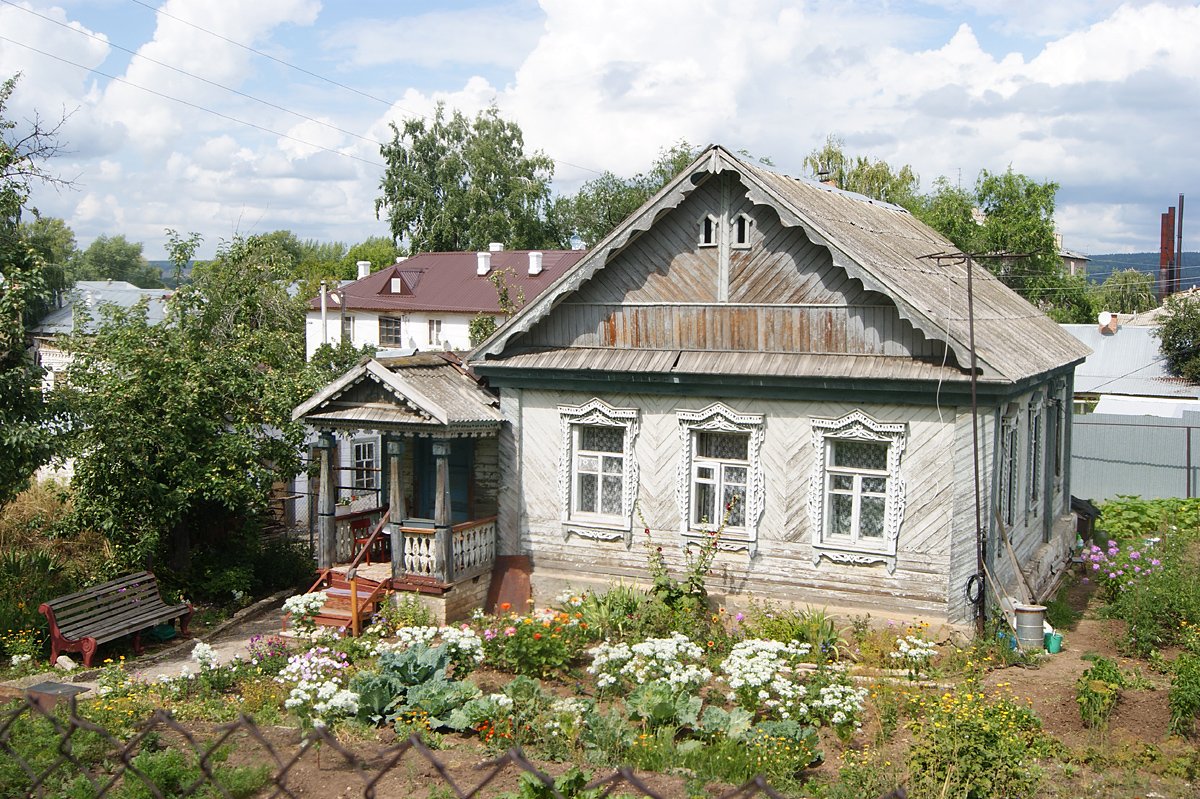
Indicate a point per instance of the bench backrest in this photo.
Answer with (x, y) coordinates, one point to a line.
(99, 602)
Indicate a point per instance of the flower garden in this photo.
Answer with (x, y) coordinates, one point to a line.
(662, 681)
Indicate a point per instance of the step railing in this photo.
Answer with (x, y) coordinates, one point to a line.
(352, 573)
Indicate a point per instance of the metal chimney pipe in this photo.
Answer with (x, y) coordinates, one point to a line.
(483, 263)
(535, 263)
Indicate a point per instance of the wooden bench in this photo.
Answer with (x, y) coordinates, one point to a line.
(80, 622)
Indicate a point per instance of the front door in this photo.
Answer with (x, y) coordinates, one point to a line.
(462, 462)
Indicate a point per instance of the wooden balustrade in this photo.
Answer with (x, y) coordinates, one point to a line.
(473, 551)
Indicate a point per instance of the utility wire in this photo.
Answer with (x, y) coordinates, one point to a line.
(320, 77)
(230, 89)
(195, 105)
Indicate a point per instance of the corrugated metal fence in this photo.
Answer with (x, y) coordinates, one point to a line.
(1147, 456)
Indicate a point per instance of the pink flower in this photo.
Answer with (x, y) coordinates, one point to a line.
(489, 634)
(510, 631)
(1154, 562)
(1134, 555)
(740, 617)
(1137, 569)
(1095, 567)
(1112, 575)
(1112, 543)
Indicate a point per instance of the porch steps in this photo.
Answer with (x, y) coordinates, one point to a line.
(337, 611)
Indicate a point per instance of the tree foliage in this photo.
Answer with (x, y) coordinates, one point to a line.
(381, 251)
(181, 428)
(115, 258)
(603, 202)
(1179, 335)
(454, 184)
(1127, 291)
(24, 443)
(873, 178)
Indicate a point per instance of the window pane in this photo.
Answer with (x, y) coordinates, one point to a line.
(587, 493)
(724, 446)
(735, 474)
(610, 495)
(613, 465)
(705, 473)
(843, 482)
(860, 455)
(870, 521)
(703, 513)
(874, 485)
(737, 496)
(602, 439)
(841, 510)
(589, 463)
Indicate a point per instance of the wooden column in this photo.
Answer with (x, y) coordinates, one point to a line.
(441, 510)
(396, 506)
(326, 503)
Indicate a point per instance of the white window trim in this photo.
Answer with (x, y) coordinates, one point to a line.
(594, 526)
(733, 239)
(857, 426)
(1010, 463)
(721, 418)
(715, 228)
(435, 332)
(1062, 401)
(1036, 448)
(372, 474)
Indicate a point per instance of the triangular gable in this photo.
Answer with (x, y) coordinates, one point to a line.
(369, 369)
(885, 260)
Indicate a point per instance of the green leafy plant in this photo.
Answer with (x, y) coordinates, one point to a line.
(1097, 691)
(570, 785)
(536, 645)
(1184, 698)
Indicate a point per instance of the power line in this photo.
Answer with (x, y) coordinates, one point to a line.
(320, 77)
(165, 65)
(194, 105)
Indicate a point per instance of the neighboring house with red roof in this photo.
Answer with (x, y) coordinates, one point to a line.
(427, 302)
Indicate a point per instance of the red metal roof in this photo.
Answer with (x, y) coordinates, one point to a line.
(447, 281)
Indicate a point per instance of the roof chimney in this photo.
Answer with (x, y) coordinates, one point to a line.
(496, 246)
(483, 263)
(364, 269)
(1109, 323)
(535, 263)
(401, 259)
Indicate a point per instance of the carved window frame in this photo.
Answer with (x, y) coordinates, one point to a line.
(719, 417)
(1035, 448)
(1010, 446)
(597, 412)
(710, 231)
(857, 426)
(745, 242)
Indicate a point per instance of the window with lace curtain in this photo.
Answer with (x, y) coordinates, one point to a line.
(598, 471)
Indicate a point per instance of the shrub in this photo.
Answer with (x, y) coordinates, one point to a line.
(1097, 692)
(536, 645)
(811, 626)
(975, 746)
(1184, 698)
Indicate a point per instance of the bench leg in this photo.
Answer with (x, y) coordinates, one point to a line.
(88, 647)
(184, 621)
(137, 643)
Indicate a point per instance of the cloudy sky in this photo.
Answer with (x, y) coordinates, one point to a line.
(246, 116)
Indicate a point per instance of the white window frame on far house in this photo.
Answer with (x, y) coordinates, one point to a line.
(830, 480)
(435, 332)
(696, 470)
(577, 464)
(391, 331)
(365, 454)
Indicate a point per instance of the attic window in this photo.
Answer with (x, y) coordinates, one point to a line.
(708, 231)
(741, 231)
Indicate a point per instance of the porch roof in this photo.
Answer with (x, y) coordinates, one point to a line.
(427, 392)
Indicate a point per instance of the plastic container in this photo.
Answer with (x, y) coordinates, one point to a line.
(1053, 642)
(1031, 626)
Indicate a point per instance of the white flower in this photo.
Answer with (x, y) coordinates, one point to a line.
(18, 660)
(204, 655)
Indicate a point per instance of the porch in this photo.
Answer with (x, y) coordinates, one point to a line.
(424, 436)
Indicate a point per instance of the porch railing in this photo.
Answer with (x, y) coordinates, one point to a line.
(472, 551)
(344, 534)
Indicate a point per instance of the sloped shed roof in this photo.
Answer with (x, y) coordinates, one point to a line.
(1126, 362)
(879, 244)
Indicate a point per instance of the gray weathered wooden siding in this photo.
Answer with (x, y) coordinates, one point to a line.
(487, 477)
(784, 567)
(785, 294)
(508, 454)
(963, 553)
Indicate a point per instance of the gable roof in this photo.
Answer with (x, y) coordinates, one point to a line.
(447, 281)
(878, 244)
(93, 294)
(422, 392)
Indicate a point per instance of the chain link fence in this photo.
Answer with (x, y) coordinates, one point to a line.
(67, 755)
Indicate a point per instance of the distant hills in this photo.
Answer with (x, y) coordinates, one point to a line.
(1101, 266)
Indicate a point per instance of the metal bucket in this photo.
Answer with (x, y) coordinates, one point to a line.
(1031, 621)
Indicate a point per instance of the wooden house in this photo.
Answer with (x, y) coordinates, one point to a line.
(789, 365)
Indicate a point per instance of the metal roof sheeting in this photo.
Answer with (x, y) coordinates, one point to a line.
(1127, 362)
(96, 293)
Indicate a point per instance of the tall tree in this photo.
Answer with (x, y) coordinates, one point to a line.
(181, 428)
(873, 178)
(379, 250)
(1179, 335)
(603, 202)
(24, 442)
(1127, 291)
(455, 184)
(54, 243)
(115, 258)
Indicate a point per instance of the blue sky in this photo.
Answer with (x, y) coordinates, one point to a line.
(1099, 96)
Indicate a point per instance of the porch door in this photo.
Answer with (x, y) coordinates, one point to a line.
(462, 462)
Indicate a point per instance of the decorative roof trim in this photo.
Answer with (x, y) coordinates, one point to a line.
(404, 391)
